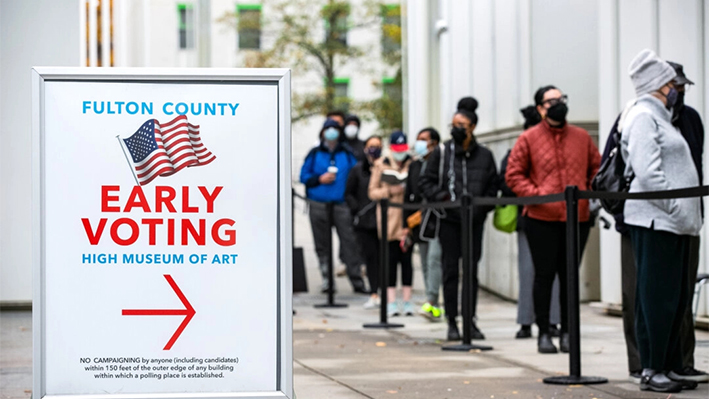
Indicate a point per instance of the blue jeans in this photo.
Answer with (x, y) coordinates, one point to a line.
(431, 253)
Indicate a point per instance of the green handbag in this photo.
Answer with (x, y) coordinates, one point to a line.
(505, 218)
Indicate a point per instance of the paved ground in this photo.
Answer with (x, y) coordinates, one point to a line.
(336, 358)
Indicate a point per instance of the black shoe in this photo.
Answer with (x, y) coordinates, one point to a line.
(362, 290)
(687, 385)
(564, 343)
(544, 344)
(689, 373)
(635, 377)
(524, 332)
(453, 334)
(659, 383)
(554, 331)
(475, 332)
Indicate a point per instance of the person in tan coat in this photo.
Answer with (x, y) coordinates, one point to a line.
(387, 182)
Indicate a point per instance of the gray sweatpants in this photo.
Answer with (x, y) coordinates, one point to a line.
(525, 302)
(322, 235)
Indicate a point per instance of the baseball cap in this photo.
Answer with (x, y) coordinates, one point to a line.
(330, 123)
(397, 142)
(681, 78)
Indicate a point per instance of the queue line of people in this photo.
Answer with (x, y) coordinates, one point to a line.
(660, 137)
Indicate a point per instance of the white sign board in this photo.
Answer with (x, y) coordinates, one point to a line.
(162, 236)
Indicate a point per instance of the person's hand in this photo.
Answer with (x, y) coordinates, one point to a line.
(327, 178)
(396, 190)
(404, 233)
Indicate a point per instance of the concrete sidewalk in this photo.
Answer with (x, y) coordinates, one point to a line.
(334, 357)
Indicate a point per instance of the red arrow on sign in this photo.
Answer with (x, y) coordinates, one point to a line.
(188, 312)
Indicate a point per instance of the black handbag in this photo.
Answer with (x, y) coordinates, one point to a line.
(611, 178)
(431, 220)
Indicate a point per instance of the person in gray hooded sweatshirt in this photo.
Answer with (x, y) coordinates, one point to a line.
(658, 158)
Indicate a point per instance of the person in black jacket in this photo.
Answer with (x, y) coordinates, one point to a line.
(468, 169)
(430, 251)
(364, 215)
(689, 122)
(352, 125)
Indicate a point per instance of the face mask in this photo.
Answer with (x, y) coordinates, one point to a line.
(558, 112)
(459, 134)
(421, 148)
(399, 156)
(351, 131)
(671, 97)
(331, 134)
(374, 152)
(679, 104)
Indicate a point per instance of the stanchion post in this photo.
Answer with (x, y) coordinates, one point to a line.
(330, 266)
(571, 195)
(466, 230)
(383, 270)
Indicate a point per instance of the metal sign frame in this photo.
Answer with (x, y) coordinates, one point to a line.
(284, 320)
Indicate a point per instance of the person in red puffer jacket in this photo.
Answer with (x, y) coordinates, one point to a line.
(545, 159)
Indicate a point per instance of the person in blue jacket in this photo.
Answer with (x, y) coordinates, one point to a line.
(324, 174)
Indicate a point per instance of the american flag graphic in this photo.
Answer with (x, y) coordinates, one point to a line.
(164, 149)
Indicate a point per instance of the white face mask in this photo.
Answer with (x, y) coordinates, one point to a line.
(351, 131)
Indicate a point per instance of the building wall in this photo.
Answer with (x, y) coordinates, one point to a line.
(28, 37)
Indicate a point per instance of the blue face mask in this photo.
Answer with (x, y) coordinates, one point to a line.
(331, 134)
(421, 148)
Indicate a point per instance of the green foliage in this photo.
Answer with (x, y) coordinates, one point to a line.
(297, 42)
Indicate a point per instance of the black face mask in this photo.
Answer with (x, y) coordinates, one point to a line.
(557, 113)
(679, 105)
(459, 134)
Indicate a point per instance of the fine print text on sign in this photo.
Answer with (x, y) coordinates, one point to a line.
(162, 231)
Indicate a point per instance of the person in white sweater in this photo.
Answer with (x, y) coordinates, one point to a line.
(658, 158)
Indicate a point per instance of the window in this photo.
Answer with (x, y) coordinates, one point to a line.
(341, 93)
(391, 29)
(336, 31)
(249, 24)
(185, 19)
(392, 89)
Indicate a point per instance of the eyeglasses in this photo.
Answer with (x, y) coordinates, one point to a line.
(553, 101)
(451, 126)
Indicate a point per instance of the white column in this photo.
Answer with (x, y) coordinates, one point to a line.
(105, 33)
(445, 57)
(704, 306)
(82, 32)
(147, 23)
(524, 51)
(417, 58)
(93, 53)
(609, 106)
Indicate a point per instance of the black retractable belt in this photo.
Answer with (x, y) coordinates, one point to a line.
(571, 196)
(383, 271)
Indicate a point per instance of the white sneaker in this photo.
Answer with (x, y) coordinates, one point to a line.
(372, 303)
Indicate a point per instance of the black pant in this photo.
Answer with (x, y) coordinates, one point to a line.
(547, 242)
(629, 282)
(369, 248)
(397, 256)
(662, 260)
(451, 247)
